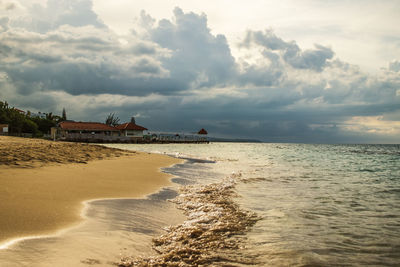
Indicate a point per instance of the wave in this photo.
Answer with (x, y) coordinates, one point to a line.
(213, 232)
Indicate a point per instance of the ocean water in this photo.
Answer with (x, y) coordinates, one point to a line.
(283, 205)
(245, 205)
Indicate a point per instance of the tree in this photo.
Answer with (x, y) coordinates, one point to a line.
(29, 126)
(44, 124)
(49, 116)
(112, 120)
(64, 115)
(19, 123)
(3, 113)
(14, 119)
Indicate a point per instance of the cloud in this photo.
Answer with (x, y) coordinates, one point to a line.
(314, 59)
(168, 58)
(8, 5)
(180, 76)
(80, 60)
(4, 24)
(372, 124)
(394, 66)
(199, 58)
(56, 13)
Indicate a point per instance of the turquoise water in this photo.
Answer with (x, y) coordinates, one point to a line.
(319, 205)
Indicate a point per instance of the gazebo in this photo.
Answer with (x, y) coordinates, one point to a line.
(202, 131)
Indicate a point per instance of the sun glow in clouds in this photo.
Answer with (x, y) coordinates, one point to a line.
(372, 124)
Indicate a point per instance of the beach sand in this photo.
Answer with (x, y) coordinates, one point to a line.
(28, 153)
(43, 187)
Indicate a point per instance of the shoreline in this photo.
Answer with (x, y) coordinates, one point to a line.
(83, 219)
(46, 201)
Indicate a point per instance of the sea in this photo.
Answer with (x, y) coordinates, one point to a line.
(316, 205)
(243, 204)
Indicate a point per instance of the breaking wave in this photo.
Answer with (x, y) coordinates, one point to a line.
(212, 234)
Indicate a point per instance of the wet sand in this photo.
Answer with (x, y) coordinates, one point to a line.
(36, 199)
(113, 228)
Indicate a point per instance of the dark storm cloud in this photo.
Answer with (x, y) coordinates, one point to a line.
(175, 75)
(82, 60)
(315, 59)
(270, 74)
(176, 56)
(198, 58)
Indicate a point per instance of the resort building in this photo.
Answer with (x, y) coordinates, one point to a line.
(94, 131)
(129, 132)
(97, 132)
(131, 129)
(38, 115)
(19, 111)
(3, 129)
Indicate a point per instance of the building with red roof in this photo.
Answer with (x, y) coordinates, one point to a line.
(131, 129)
(129, 132)
(95, 131)
(96, 127)
(20, 111)
(203, 131)
(98, 132)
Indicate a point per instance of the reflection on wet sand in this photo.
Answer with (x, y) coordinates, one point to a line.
(113, 229)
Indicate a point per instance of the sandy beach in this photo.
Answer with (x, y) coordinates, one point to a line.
(43, 184)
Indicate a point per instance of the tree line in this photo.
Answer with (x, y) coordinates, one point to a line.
(20, 122)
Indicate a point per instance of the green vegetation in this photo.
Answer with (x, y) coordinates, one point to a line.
(64, 115)
(20, 123)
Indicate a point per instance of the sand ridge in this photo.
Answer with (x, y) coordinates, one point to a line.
(29, 152)
(41, 200)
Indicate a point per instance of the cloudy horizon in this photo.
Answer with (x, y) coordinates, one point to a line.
(322, 76)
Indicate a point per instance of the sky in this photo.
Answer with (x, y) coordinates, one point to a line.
(308, 71)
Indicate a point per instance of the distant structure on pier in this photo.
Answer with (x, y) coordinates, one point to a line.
(202, 132)
(174, 137)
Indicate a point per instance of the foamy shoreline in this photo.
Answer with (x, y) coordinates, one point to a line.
(48, 200)
(213, 231)
(216, 226)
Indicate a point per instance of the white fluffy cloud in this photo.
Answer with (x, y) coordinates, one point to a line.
(56, 13)
(175, 74)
